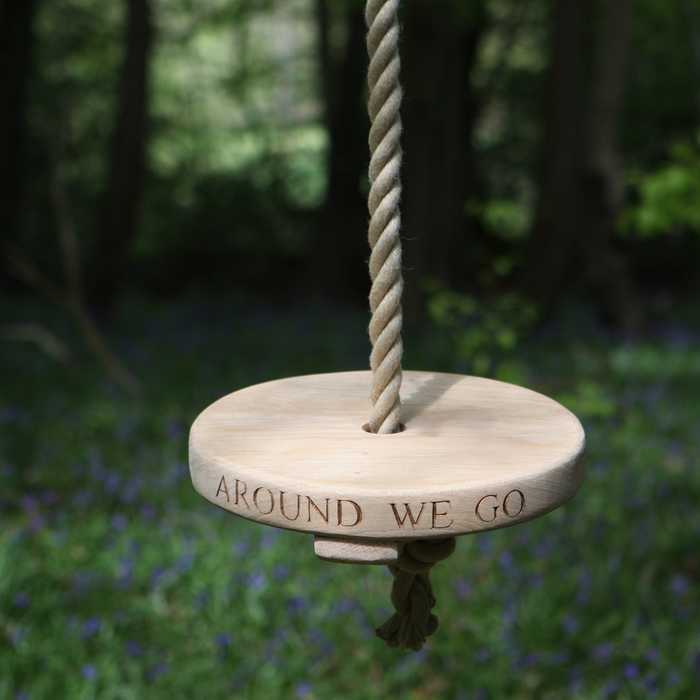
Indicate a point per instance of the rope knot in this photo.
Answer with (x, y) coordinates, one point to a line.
(412, 594)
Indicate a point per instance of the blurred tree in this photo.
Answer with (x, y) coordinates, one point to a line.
(582, 179)
(441, 41)
(341, 244)
(603, 186)
(120, 210)
(16, 59)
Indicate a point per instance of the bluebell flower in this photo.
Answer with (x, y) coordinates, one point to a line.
(303, 690)
(631, 672)
(536, 581)
(134, 648)
(158, 573)
(603, 652)
(131, 490)
(82, 498)
(112, 482)
(344, 606)
(611, 689)
(651, 684)
(506, 561)
(29, 503)
(280, 572)
(679, 585)
(269, 538)
(527, 660)
(184, 563)
(174, 429)
(126, 572)
(49, 498)
(653, 655)
(544, 548)
(16, 635)
(484, 543)
(223, 641)
(22, 600)
(119, 522)
(201, 599)
(482, 655)
(257, 581)
(296, 604)
(559, 658)
(90, 628)
(83, 580)
(155, 672)
(148, 512)
(241, 547)
(463, 588)
(89, 672)
(570, 624)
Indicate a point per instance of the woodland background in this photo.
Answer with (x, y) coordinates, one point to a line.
(183, 183)
(551, 148)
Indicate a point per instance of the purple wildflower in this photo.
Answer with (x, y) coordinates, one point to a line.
(133, 648)
(679, 585)
(16, 635)
(257, 581)
(570, 624)
(464, 589)
(631, 672)
(223, 641)
(158, 574)
(280, 572)
(22, 600)
(303, 690)
(90, 628)
(119, 522)
(155, 672)
(603, 652)
(296, 604)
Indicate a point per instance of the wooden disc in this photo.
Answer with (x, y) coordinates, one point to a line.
(476, 454)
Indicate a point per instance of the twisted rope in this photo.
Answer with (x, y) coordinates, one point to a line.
(412, 594)
(385, 97)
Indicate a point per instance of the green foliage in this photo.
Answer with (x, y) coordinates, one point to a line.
(507, 219)
(669, 197)
(481, 335)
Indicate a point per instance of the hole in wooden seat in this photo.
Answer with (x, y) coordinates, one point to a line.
(366, 428)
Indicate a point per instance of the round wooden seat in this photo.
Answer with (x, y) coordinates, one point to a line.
(475, 454)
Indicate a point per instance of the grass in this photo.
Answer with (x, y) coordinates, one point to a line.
(118, 582)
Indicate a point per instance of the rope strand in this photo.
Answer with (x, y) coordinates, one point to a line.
(412, 593)
(385, 98)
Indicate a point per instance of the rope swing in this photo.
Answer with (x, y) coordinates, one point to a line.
(478, 454)
(385, 97)
(412, 593)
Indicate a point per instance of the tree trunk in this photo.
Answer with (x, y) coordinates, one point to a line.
(120, 211)
(552, 243)
(603, 174)
(341, 250)
(582, 179)
(440, 49)
(16, 44)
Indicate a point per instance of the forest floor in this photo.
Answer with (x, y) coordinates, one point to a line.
(118, 582)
